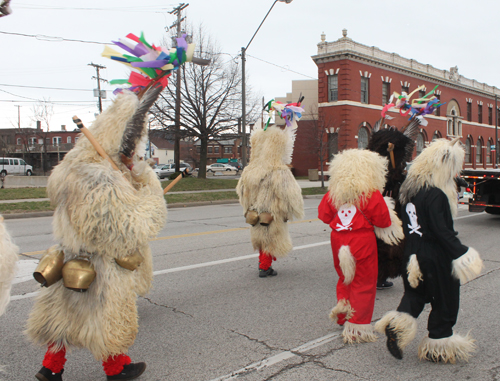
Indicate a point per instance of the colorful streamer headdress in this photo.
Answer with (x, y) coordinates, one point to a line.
(417, 109)
(291, 112)
(150, 64)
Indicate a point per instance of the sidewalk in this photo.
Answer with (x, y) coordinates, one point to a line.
(302, 183)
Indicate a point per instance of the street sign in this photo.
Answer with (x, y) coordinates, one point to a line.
(103, 93)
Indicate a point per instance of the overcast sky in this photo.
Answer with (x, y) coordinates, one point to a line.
(37, 51)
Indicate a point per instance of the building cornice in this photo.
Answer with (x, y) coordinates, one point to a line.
(345, 48)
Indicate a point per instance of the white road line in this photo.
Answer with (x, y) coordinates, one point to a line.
(279, 357)
(191, 267)
(25, 296)
(470, 215)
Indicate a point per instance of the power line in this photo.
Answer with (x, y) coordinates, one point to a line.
(41, 87)
(282, 67)
(42, 37)
(113, 9)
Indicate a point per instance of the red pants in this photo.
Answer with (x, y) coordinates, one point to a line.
(265, 260)
(54, 361)
(362, 290)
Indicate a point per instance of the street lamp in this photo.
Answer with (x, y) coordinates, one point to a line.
(243, 89)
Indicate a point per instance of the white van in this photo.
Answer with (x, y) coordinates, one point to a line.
(14, 166)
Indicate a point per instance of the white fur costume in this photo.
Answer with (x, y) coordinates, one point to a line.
(102, 214)
(8, 258)
(268, 185)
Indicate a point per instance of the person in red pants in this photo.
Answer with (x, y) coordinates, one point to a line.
(354, 208)
(268, 191)
(103, 221)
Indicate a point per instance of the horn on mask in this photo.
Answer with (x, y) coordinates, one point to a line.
(454, 141)
(133, 131)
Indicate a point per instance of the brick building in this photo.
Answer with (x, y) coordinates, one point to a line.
(226, 146)
(41, 149)
(355, 81)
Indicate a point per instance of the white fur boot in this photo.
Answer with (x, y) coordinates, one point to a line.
(358, 333)
(450, 349)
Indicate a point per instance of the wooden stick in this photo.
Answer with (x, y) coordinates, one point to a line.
(172, 183)
(390, 148)
(186, 172)
(94, 142)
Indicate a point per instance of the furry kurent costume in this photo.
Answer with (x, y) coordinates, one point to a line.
(436, 261)
(397, 146)
(104, 217)
(8, 259)
(354, 208)
(268, 192)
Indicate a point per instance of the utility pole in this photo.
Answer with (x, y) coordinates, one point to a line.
(99, 79)
(18, 116)
(177, 151)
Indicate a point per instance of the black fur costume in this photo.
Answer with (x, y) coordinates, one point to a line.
(390, 258)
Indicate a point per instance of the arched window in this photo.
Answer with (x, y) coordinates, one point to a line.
(450, 127)
(479, 151)
(363, 137)
(436, 136)
(420, 143)
(468, 144)
(488, 151)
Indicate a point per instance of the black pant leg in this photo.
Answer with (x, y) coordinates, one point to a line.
(445, 306)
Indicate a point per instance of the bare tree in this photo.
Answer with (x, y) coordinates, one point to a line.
(210, 97)
(320, 140)
(42, 111)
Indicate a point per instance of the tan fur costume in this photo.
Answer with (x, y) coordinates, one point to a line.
(101, 214)
(268, 185)
(8, 258)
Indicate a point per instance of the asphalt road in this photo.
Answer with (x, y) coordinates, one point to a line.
(209, 316)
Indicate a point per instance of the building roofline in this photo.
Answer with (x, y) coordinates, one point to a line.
(346, 48)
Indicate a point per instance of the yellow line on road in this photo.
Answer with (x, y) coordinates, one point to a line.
(196, 234)
(192, 234)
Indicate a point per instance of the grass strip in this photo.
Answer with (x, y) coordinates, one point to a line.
(194, 184)
(22, 193)
(197, 197)
(185, 184)
(25, 207)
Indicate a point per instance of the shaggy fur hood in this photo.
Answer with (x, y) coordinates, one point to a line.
(355, 175)
(437, 166)
(108, 128)
(273, 147)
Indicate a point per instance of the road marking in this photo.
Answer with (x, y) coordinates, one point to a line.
(228, 260)
(280, 357)
(30, 253)
(196, 266)
(198, 234)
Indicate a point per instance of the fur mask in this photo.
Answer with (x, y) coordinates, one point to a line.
(272, 147)
(355, 175)
(437, 166)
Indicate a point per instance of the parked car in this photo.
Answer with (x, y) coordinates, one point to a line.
(167, 169)
(164, 171)
(236, 165)
(216, 167)
(14, 166)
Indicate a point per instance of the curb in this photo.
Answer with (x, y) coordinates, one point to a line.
(50, 213)
(13, 216)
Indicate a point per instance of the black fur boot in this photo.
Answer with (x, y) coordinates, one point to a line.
(45, 374)
(129, 372)
(392, 343)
